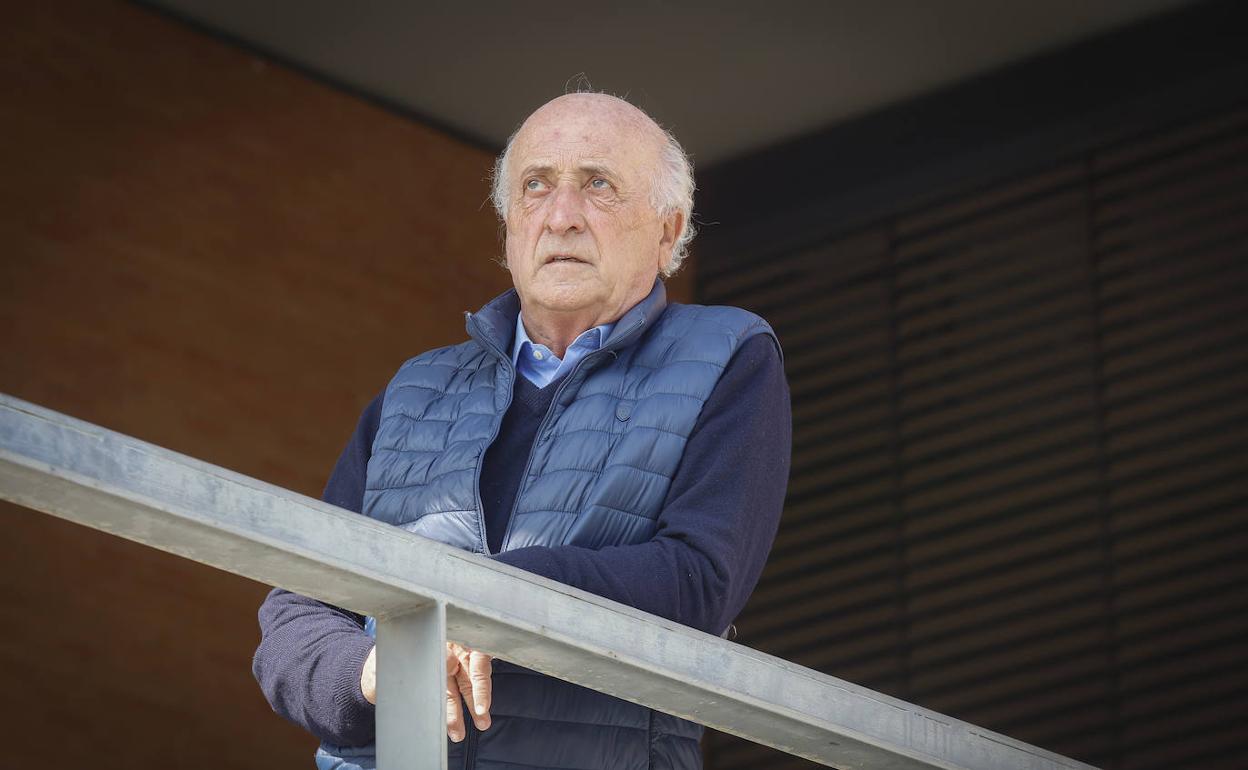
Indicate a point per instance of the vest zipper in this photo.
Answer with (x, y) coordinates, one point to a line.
(476, 476)
(541, 429)
(539, 437)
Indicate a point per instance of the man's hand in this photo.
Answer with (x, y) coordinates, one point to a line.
(467, 678)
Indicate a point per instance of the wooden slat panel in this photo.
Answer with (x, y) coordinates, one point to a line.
(1149, 182)
(980, 211)
(1020, 471)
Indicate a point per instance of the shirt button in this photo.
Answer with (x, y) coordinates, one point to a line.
(537, 354)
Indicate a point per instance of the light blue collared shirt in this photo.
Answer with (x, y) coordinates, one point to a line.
(539, 365)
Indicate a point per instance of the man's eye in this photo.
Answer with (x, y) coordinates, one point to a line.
(598, 183)
(533, 185)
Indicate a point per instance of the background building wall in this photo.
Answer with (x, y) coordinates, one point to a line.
(1018, 371)
(226, 258)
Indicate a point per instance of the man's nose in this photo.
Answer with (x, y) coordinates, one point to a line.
(566, 212)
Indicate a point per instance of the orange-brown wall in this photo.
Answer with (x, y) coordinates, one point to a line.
(224, 257)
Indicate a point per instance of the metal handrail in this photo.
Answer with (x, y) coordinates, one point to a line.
(422, 591)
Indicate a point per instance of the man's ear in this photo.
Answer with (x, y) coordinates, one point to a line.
(673, 226)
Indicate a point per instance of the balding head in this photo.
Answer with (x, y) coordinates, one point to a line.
(597, 108)
(669, 173)
(584, 192)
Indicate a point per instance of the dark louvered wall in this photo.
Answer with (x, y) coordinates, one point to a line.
(1020, 474)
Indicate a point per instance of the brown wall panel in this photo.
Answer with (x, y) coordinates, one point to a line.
(219, 256)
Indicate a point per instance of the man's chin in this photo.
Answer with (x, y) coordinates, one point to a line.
(563, 296)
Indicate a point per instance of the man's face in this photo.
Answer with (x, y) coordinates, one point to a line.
(582, 236)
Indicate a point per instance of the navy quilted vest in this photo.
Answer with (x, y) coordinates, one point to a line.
(597, 475)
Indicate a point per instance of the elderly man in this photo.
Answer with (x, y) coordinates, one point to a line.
(588, 431)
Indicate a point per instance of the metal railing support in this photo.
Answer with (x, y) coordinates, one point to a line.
(411, 682)
(102, 479)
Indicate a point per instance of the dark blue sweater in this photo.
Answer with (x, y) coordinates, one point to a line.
(716, 528)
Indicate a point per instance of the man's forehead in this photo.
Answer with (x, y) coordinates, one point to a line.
(597, 123)
(563, 152)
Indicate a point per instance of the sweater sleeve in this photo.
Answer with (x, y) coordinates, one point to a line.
(721, 512)
(311, 654)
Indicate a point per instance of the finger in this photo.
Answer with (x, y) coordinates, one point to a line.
(464, 687)
(480, 670)
(475, 686)
(454, 712)
(481, 720)
(466, 690)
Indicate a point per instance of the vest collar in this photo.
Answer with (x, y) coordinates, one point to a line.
(495, 323)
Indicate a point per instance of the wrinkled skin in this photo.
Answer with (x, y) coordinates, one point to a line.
(584, 243)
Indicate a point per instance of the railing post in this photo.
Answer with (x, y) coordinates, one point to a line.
(411, 689)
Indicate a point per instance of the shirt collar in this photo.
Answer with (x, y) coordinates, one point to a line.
(588, 340)
(492, 325)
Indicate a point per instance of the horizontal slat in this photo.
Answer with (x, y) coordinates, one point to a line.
(820, 551)
(978, 460)
(942, 606)
(1171, 142)
(993, 301)
(1215, 356)
(1178, 297)
(1150, 688)
(1221, 311)
(1200, 239)
(1210, 495)
(1208, 616)
(956, 668)
(844, 260)
(1016, 371)
(1160, 175)
(1073, 330)
(1012, 323)
(833, 631)
(801, 587)
(998, 532)
(1007, 557)
(795, 533)
(869, 475)
(1065, 705)
(1174, 426)
(1028, 681)
(1000, 480)
(972, 213)
(1002, 261)
(965, 411)
(1216, 745)
(851, 402)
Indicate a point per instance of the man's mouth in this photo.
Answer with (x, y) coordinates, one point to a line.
(554, 258)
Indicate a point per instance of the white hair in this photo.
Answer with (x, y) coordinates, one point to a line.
(671, 191)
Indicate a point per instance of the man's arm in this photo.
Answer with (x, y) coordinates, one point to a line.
(721, 513)
(311, 654)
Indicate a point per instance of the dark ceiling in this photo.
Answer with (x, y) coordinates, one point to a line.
(728, 78)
